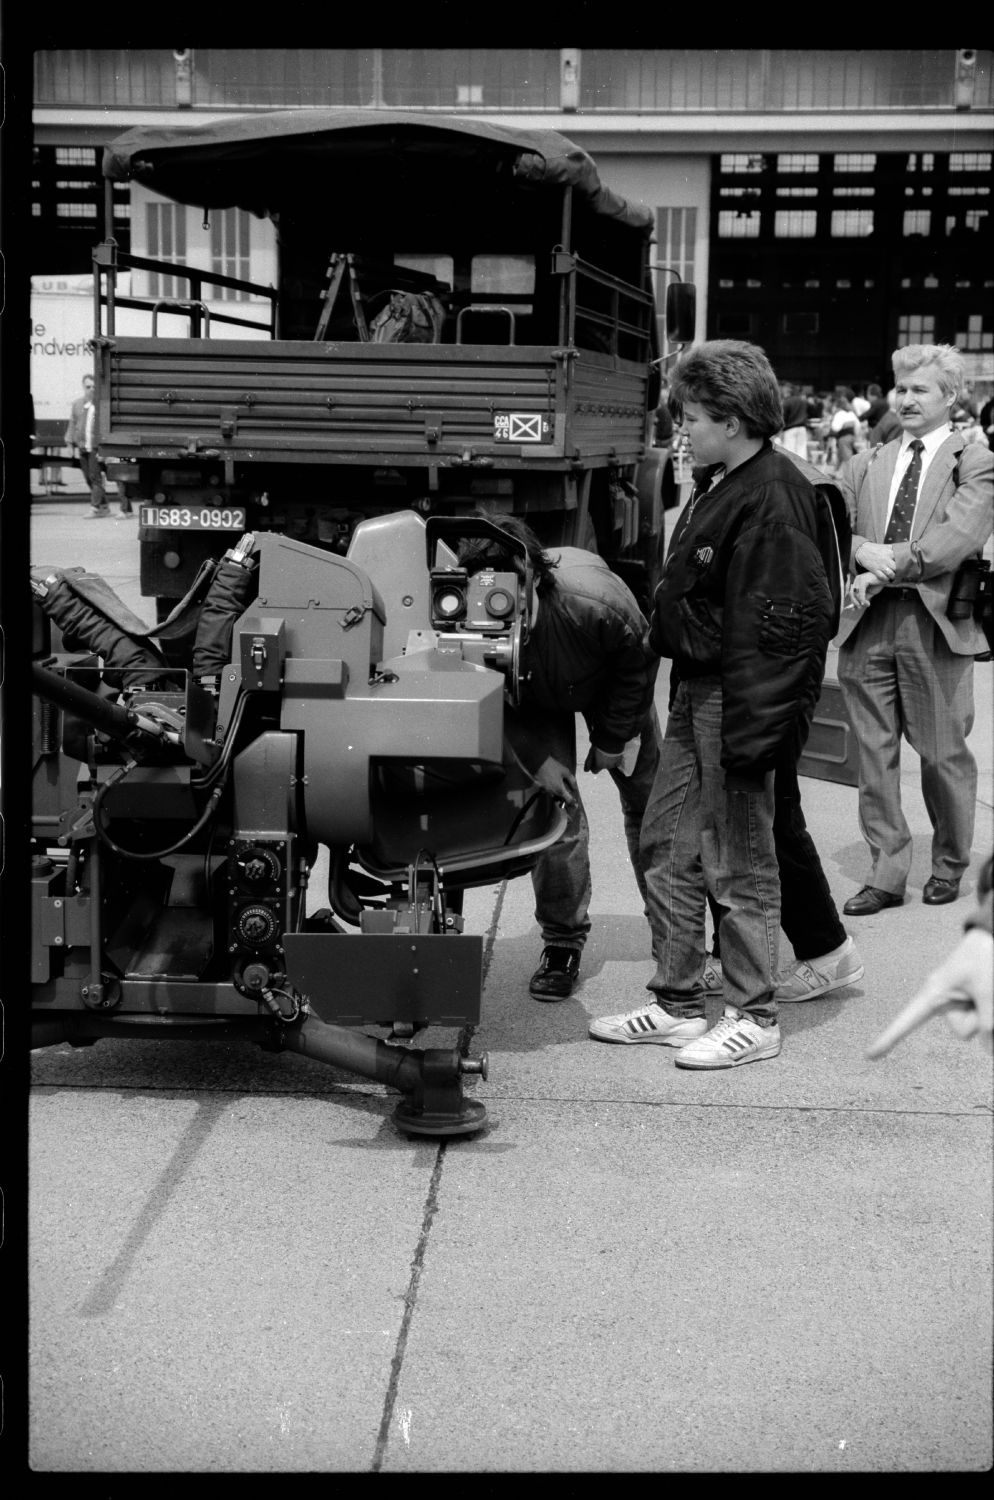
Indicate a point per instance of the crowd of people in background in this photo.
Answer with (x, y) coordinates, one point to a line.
(828, 427)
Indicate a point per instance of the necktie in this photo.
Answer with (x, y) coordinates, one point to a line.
(899, 526)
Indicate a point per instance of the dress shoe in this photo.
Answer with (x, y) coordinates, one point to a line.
(870, 900)
(938, 891)
(556, 974)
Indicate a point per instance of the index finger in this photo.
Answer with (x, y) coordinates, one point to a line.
(929, 1002)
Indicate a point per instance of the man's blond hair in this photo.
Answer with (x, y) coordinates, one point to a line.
(945, 359)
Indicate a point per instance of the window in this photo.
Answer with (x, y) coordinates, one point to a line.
(799, 322)
(795, 223)
(230, 251)
(738, 161)
(969, 192)
(853, 192)
(916, 328)
(927, 163)
(975, 336)
(442, 267)
(792, 192)
(917, 221)
(503, 275)
(797, 161)
(676, 236)
(973, 219)
(855, 161)
(76, 210)
(970, 161)
(165, 225)
(75, 156)
(851, 223)
(738, 226)
(469, 93)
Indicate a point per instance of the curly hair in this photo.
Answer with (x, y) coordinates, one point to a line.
(731, 378)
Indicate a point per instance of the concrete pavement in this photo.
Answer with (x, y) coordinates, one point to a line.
(237, 1264)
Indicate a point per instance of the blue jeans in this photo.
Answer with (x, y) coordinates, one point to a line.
(697, 834)
(561, 878)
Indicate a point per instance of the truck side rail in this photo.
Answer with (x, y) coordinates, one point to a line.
(618, 322)
(196, 276)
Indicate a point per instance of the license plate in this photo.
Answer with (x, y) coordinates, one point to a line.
(193, 517)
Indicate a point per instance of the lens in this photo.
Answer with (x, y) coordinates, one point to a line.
(499, 603)
(448, 603)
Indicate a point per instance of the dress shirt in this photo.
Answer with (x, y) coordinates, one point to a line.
(931, 443)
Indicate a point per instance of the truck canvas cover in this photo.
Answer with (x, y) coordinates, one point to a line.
(263, 162)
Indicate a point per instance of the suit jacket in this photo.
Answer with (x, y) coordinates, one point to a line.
(76, 427)
(953, 521)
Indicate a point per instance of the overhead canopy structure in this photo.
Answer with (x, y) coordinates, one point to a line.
(263, 162)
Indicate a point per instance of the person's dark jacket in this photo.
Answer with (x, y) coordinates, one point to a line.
(795, 412)
(889, 426)
(750, 593)
(588, 651)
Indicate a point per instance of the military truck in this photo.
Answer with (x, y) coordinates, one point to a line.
(463, 315)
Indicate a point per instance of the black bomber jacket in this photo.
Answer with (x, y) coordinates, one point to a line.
(750, 593)
(589, 650)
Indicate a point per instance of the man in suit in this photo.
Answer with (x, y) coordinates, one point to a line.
(920, 506)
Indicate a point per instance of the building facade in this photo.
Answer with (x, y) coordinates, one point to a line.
(828, 205)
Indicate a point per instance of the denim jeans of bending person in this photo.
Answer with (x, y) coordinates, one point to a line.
(561, 878)
(809, 917)
(696, 833)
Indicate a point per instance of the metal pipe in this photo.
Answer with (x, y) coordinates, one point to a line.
(110, 718)
(357, 1053)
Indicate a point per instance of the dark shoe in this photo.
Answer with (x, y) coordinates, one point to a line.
(870, 900)
(556, 974)
(126, 509)
(938, 891)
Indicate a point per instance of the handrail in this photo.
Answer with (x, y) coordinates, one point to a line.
(179, 305)
(485, 307)
(195, 276)
(216, 317)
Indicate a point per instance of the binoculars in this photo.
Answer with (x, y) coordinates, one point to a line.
(971, 590)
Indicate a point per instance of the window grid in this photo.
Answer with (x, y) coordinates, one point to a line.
(851, 223)
(637, 80)
(676, 240)
(741, 161)
(975, 336)
(166, 239)
(739, 225)
(855, 161)
(917, 221)
(230, 250)
(970, 161)
(795, 223)
(916, 328)
(797, 161)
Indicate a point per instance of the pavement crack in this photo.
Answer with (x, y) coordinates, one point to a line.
(410, 1299)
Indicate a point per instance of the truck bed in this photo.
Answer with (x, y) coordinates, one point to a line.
(301, 401)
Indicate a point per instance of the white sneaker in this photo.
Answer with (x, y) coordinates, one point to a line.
(817, 976)
(648, 1024)
(712, 975)
(733, 1041)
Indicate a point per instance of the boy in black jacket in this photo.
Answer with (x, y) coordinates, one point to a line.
(746, 606)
